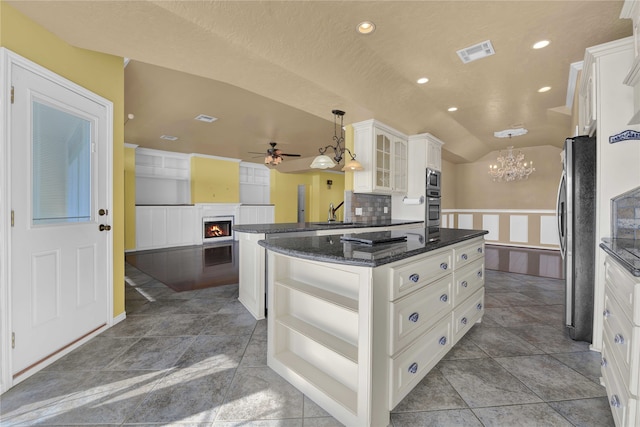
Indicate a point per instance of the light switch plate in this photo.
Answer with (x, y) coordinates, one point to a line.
(358, 211)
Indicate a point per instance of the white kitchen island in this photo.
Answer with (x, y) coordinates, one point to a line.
(356, 327)
(252, 272)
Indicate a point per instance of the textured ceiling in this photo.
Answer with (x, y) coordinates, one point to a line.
(275, 70)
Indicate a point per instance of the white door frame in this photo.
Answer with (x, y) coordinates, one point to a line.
(7, 58)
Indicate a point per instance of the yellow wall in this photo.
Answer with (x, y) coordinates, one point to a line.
(100, 73)
(284, 195)
(129, 198)
(214, 180)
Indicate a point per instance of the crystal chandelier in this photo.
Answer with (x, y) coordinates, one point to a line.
(511, 167)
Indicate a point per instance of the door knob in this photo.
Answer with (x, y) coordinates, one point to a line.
(103, 212)
(104, 227)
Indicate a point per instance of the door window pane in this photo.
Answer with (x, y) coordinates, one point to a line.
(61, 148)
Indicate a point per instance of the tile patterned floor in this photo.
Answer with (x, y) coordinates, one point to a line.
(198, 358)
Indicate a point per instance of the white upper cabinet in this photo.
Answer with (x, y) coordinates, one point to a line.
(434, 152)
(382, 151)
(631, 10)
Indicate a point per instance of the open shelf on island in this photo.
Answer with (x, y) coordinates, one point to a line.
(320, 380)
(322, 294)
(332, 342)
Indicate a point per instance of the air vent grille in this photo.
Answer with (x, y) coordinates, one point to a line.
(169, 137)
(477, 51)
(205, 118)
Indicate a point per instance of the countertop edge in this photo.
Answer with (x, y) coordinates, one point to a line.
(606, 245)
(431, 246)
(295, 227)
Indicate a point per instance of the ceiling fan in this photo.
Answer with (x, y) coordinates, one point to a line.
(274, 155)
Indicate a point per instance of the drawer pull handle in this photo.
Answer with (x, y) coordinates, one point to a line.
(618, 339)
(464, 284)
(604, 362)
(464, 256)
(414, 277)
(463, 320)
(413, 368)
(479, 250)
(606, 313)
(615, 401)
(479, 273)
(413, 317)
(442, 341)
(479, 306)
(444, 298)
(444, 266)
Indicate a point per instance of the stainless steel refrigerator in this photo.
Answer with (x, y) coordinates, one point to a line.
(576, 211)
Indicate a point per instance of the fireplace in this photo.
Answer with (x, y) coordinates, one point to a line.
(217, 228)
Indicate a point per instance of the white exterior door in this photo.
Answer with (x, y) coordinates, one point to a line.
(60, 238)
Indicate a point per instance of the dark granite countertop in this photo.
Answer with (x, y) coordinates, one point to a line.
(290, 227)
(331, 249)
(625, 251)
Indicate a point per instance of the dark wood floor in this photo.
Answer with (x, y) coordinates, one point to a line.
(534, 262)
(190, 267)
(196, 267)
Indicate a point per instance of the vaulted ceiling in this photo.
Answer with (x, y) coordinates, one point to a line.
(274, 70)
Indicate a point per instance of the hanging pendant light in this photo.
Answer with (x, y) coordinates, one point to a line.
(323, 161)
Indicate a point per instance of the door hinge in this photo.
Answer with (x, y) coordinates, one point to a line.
(12, 94)
(12, 218)
(13, 340)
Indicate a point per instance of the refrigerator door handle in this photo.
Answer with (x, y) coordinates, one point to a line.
(561, 214)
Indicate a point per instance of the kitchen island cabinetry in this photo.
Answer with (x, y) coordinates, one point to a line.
(252, 280)
(324, 338)
(621, 341)
(382, 151)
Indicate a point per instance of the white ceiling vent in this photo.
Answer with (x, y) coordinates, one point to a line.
(205, 118)
(477, 51)
(169, 137)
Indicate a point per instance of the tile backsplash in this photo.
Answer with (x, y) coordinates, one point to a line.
(372, 205)
(625, 215)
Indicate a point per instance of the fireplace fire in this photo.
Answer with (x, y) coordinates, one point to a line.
(217, 229)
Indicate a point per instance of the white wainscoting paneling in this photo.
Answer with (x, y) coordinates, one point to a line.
(451, 220)
(465, 221)
(549, 230)
(491, 223)
(519, 228)
(443, 220)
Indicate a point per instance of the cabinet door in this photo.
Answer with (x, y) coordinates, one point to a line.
(382, 158)
(399, 165)
(434, 156)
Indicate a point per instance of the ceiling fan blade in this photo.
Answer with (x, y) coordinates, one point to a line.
(290, 155)
(255, 152)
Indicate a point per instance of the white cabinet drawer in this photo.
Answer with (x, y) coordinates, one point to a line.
(409, 276)
(468, 313)
(415, 313)
(464, 255)
(622, 339)
(468, 280)
(626, 290)
(623, 407)
(410, 366)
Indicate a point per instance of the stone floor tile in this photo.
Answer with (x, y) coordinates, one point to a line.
(550, 379)
(534, 415)
(214, 352)
(450, 418)
(432, 393)
(152, 353)
(497, 342)
(586, 412)
(94, 355)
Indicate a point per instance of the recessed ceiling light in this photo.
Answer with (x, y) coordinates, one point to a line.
(452, 109)
(366, 27)
(422, 80)
(544, 89)
(541, 44)
(205, 118)
(169, 137)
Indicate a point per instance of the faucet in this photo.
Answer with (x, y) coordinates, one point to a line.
(332, 212)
